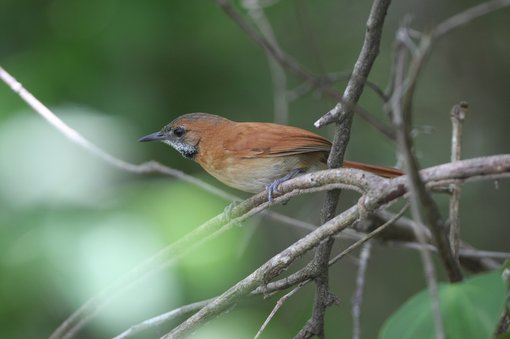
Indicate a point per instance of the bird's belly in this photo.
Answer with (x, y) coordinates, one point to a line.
(254, 174)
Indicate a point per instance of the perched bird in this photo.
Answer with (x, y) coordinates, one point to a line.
(251, 156)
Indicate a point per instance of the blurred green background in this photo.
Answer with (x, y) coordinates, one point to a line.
(116, 70)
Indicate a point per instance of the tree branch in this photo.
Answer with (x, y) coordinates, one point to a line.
(303, 277)
(278, 305)
(144, 168)
(475, 169)
(265, 273)
(467, 16)
(292, 66)
(381, 191)
(352, 93)
(402, 111)
(457, 115)
(358, 294)
(278, 76)
(162, 319)
(363, 65)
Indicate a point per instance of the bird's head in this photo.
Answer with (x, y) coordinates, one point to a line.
(185, 132)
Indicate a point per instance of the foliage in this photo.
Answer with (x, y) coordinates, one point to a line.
(470, 309)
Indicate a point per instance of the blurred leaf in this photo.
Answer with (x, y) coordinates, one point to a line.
(470, 309)
(503, 336)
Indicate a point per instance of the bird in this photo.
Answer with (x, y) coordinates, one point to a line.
(251, 156)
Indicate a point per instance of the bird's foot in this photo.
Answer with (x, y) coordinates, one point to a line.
(273, 187)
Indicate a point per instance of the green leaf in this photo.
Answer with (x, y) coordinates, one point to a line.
(470, 309)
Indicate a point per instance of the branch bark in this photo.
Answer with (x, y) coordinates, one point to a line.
(352, 93)
(292, 66)
(402, 112)
(380, 192)
(457, 115)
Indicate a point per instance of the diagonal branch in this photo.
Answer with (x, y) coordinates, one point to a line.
(81, 316)
(467, 16)
(279, 79)
(292, 66)
(301, 278)
(272, 268)
(162, 319)
(145, 168)
(363, 65)
(402, 111)
(381, 193)
(278, 305)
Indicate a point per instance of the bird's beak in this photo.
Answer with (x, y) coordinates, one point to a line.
(152, 137)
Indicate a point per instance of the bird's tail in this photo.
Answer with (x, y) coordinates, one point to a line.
(382, 171)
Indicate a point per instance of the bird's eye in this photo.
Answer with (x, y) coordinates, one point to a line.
(179, 132)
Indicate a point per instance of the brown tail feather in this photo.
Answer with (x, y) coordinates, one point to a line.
(386, 172)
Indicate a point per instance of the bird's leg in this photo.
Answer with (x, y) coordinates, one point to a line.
(272, 187)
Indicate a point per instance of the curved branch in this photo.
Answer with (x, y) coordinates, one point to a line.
(467, 16)
(292, 66)
(384, 192)
(377, 192)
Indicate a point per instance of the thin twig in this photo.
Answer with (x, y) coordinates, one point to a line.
(303, 277)
(369, 235)
(420, 54)
(383, 192)
(171, 315)
(204, 233)
(358, 293)
(463, 252)
(467, 16)
(272, 268)
(276, 53)
(161, 319)
(457, 114)
(363, 65)
(332, 78)
(278, 305)
(402, 111)
(279, 79)
(144, 168)
(401, 114)
(294, 187)
(280, 262)
(309, 272)
(292, 66)
(476, 167)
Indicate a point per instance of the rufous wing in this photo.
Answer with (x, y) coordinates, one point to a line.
(272, 140)
(265, 140)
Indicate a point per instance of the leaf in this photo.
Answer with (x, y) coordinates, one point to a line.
(470, 309)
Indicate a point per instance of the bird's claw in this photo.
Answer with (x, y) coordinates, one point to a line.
(271, 188)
